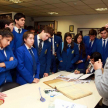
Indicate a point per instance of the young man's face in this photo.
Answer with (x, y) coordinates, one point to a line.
(45, 36)
(92, 61)
(20, 22)
(104, 34)
(92, 37)
(10, 26)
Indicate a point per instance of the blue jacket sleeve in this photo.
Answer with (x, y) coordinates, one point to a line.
(21, 68)
(47, 70)
(38, 66)
(76, 54)
(59, 52)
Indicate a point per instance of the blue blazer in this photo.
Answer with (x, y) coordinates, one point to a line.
(45, 57)
(98, 48)
(81, 65)
(68, 60)
(18, 40)
(5, 72)
(25, 65)
(86, 40)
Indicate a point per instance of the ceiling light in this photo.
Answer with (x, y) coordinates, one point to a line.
(101, 9)
(52, 13)
(15, 1)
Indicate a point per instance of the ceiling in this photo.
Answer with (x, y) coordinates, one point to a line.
(63, 7)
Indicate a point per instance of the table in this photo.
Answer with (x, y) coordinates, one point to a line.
(27, 96)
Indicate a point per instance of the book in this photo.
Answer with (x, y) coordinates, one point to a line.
(69, 89)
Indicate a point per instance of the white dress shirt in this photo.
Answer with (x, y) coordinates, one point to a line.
(16, 29)
(91, 42)
(105, 41)
(4, 51)
(38, 41)
(29, 48)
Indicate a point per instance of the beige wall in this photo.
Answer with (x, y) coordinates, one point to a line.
(81, 21)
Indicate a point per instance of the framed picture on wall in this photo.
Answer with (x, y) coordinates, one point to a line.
(8, 16)
(71, 28)
(73, 36)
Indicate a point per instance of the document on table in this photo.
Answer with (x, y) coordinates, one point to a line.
(86, 76)
(65, 104)
(74, 76)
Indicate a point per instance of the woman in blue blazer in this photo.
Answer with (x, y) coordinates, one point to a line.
(28, 67)
(80, 64)
(69, 55)
(7, 59)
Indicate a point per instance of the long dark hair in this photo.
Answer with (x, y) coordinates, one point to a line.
(82, 46)
(65, 43)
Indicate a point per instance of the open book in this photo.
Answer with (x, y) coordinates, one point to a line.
(69, 89)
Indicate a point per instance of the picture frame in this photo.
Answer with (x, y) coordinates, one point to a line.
(73, 35)
(8, 16)
(71, 28)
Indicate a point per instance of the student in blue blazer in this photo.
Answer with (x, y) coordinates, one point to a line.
(18, 31)
(102, 44)
(90, 42)
(80, 64)
(55, 42)
(70, 54)
(7, 59)
(43, 47)
(28, 67)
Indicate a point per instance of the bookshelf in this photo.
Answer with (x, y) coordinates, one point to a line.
(41, 24)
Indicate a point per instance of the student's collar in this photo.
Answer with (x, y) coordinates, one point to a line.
(28, 47)
(16, 29)
(104, 39)
(1, 48)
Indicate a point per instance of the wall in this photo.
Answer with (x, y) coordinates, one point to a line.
(81, 21)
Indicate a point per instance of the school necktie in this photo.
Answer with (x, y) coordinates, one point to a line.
(19, 31)
(79, 46)
(34, 61)
(68, 49)
(104, 46)
(90, 44)
(40, 47)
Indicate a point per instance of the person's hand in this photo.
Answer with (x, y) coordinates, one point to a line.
(87, 71)
(2, 65)
(36, 80)
(11, 59)
(2, 95)
(55, 54)
(45, 74)
(77, 72)
(80, 61)
(88, 57)
(61, 61)
(98, 65)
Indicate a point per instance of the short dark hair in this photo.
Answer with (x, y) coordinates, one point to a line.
(93, 32)
(49, 30)
(96, 56)
(26, 35)
(5, 21)
(6, 32)
(17, 16)
(102, 29)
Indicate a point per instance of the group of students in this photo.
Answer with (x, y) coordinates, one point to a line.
(33, 57)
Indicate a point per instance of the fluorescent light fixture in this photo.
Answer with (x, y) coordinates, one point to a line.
(14, 1)
(52, 13)
(101, 9)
